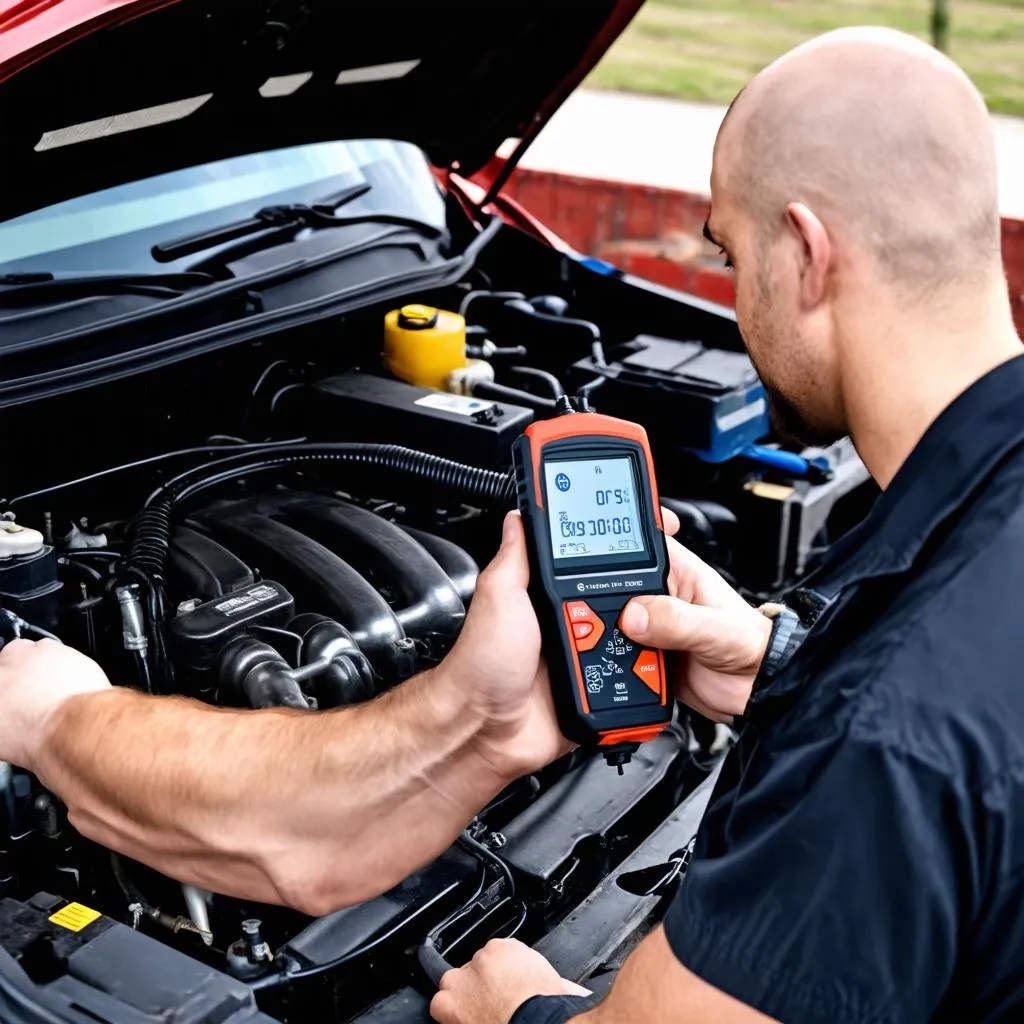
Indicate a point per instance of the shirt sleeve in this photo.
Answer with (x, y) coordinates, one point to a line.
(830, 890)
(552, 1009)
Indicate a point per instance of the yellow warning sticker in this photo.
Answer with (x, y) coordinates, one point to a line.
(74, 917)
(771, 492)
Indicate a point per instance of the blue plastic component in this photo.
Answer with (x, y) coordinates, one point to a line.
(787, 462)
(599, 266)
(738, 420)
(773, 458)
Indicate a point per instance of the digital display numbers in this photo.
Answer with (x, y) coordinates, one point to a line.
(593, 508)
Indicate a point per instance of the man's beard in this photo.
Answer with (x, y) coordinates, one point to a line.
(791, 425)
(788, 421)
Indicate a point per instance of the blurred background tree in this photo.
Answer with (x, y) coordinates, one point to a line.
(940, 25)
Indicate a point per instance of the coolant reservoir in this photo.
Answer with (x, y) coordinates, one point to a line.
(422, 345)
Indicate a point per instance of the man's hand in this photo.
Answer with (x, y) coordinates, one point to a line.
(496, 664)
(35, 681)
(652, 987)
(495, 983)
(721, 640)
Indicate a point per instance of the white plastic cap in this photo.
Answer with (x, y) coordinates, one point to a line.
(18, 540)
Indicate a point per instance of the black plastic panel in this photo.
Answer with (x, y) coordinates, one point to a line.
(587, 802)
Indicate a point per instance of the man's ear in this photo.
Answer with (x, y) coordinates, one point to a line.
(815, 253)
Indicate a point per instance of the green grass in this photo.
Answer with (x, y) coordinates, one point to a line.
(708, 51)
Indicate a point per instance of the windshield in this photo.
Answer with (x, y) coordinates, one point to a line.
(114, 230)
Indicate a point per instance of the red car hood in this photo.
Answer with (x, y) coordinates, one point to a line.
(94, 93)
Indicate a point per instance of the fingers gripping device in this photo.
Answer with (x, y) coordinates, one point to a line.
(592, 517)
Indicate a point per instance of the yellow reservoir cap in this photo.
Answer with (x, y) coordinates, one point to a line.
(422, 345)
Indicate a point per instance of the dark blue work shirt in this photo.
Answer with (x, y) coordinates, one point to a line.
(862, 858)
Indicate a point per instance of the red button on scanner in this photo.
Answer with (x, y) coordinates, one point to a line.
(585, 624)
(647, 668)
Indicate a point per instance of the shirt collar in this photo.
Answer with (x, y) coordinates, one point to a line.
(955, 455)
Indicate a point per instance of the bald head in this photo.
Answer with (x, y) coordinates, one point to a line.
(886, 141)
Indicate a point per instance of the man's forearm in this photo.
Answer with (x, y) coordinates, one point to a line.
(316, 810)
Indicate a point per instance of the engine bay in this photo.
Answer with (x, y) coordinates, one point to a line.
(299, 521)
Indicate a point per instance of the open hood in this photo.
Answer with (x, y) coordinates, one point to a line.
(94, 93)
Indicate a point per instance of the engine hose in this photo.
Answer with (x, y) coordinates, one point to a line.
(557, 320)
(483, 854)
(471, 482)
(156, 615)
(553, 384)
(584, 392)
(145, 676)
(255, 672)
(152, 539)
(349, 678)
(128, 888)
(514, 396)
(493, 488)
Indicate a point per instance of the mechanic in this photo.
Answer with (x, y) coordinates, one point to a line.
(861, 854)
(862, 857)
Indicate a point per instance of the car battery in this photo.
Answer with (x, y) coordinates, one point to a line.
(362, 407)
(708, 401)
(79, 960)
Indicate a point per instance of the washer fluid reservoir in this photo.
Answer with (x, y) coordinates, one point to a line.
(423, 345)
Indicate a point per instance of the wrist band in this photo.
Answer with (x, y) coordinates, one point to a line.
(786, 635)
(552, 1009)
(791, 622)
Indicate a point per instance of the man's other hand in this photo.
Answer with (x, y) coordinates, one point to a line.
(720, 638)
(495, 983)
(35, 681)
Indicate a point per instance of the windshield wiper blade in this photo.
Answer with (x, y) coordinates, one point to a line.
(169, 285)
(336, 200)
(286, 218)
(20, 286)
(268, 217)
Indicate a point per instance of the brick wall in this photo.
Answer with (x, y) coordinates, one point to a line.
(656, 233)
(1013, 261)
